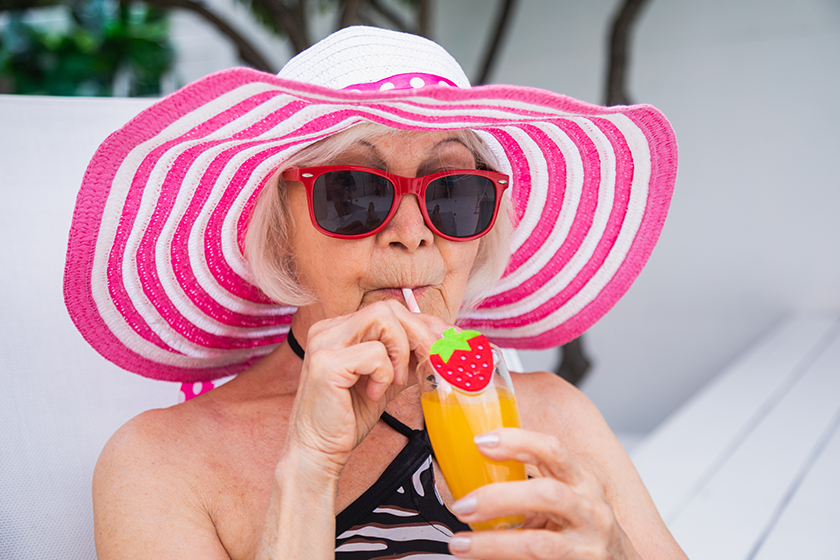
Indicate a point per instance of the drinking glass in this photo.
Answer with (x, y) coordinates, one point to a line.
(455, 416)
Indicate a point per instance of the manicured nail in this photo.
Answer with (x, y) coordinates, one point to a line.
(487, 440)
(465, 505)
(459, 544)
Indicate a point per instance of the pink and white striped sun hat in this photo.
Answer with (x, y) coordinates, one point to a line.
(156, 280)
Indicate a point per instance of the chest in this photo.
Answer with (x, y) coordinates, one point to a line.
(236, 483)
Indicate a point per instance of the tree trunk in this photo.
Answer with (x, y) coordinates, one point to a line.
(619, 53)
(293, 21)
(247, 52)
(424, 18)
(499, 30)
(351, 13)
(574, 364)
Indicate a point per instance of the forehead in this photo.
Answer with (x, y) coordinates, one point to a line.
(410, 146)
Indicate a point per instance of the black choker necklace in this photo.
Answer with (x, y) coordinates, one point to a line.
(294, 344)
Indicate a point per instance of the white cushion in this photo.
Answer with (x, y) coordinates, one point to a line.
(59, 400)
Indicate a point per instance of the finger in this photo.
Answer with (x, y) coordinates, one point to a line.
(422, 330)
(400, 331)
(550, 456)
(369, 360)
(544, 497)
(513, 545)
(377, 322)
(380, 377)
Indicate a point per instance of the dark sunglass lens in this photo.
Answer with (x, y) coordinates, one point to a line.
(461, 205)
(351, 202)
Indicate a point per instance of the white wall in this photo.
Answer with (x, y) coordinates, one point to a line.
(753, 231)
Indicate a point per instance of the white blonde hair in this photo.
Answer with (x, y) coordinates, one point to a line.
(269, 252)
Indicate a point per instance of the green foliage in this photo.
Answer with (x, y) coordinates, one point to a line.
(263, 14)
(103, 42)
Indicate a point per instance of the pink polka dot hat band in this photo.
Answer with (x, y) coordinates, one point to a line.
(156, 279)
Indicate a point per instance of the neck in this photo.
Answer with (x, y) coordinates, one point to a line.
(301, 321)
(406, 407)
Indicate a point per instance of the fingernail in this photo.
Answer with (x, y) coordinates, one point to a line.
(465, 505)
(459, 544)
(487, 440)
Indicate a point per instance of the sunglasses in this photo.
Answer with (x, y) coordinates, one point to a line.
(350, 202)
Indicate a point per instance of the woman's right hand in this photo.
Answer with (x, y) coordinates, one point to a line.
(354, 365)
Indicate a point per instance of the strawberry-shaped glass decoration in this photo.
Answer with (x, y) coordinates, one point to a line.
(464, 359)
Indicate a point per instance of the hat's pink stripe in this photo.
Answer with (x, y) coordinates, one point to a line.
(222, 271)
(179, 249)
(663, 149)
(220, 268)
(150, 281)
(556, 175)
(547, 224)
(584, 218)
(520, 172)
(118, 293)
(245, 216)
(151, 285)
(226, 277)
(93, 196)
(482, 95)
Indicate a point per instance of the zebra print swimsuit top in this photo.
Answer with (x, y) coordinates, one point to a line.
(402, 514)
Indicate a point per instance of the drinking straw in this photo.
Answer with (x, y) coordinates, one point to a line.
(410, 302)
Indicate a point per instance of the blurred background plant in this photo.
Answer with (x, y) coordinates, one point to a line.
(123, 47)
(103, 48)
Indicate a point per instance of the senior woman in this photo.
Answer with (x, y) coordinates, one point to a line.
(267, 226)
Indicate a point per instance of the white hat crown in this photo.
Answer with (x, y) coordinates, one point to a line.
(361, 55)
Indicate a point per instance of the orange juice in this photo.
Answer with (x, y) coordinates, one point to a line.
(453, 418)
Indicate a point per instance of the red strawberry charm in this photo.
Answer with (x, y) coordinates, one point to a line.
(464, 359)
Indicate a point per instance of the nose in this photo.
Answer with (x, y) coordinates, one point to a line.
(407, 228)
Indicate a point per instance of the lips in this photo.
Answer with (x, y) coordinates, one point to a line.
(381, 294)
(397, 293)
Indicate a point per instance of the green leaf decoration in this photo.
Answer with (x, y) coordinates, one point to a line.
(451, 342)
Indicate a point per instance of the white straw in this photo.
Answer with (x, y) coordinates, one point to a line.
(410, 301)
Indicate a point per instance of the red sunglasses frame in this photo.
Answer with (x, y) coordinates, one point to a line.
(402, 186)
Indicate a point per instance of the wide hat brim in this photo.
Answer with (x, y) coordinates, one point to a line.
(156, 280)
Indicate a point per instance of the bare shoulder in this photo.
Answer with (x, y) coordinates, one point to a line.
(553, 406)
(550, 405)
(146, 503)
(157, 443)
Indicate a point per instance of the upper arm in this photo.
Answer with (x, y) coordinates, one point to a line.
(562, 410)
(145, 505)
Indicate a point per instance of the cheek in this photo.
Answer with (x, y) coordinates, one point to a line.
(328, 268)
(327, 265)
(310, 249)
(462, 258)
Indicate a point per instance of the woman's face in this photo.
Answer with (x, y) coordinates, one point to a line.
(348, 274)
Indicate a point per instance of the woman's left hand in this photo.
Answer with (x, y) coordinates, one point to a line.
(567, 512)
